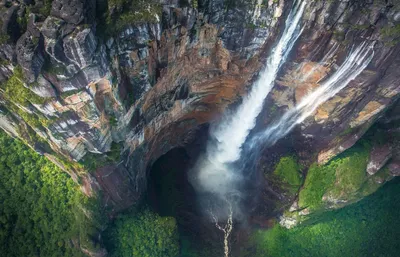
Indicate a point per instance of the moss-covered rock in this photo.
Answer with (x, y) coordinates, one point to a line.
(341, 181)
(288, 171)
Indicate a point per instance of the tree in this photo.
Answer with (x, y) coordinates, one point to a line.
(145, 234)
(37, 204)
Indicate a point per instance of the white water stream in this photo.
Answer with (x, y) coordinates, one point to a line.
(354, 64)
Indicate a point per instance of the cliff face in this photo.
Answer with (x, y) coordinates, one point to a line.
(91, 82)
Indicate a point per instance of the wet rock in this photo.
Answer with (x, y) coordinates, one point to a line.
(153, 85)
(378, 158)
(6, 71)
(294, 206)
(51, 27)
(304, 212)
(9, 125)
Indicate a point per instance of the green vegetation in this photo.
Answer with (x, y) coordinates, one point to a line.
(92, 161)
(391, 34)
(23, 20)
(288, 171)
(15, 91)
(370, 227)
(39, 204)
(4, 38)
(127, 12)
(350, 172)
(45, 9)
(318, 179)
(341, 178)
(144, 234)
(113, 120)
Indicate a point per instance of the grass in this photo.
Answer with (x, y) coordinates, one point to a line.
(370, 227)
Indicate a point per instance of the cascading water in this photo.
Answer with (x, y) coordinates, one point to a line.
(227, 229)
(214, 174)
(354, 64)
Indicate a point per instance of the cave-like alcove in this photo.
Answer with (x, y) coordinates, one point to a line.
(171, 194)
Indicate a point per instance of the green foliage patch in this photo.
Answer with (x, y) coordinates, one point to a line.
(341, 178)
(318, 179)
(126, 12)
(92, 161)
(38, 203)
(15, 91)
(391, 34)
(143, 234)
(370, 227)
(288, 171)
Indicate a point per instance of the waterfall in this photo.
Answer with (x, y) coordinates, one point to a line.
(231, 133)
(213, 174)
(353, 65)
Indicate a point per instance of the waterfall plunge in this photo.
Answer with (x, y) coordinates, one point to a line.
(354, 64)
(214, 174)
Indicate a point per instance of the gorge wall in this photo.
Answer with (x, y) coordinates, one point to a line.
(104, 88)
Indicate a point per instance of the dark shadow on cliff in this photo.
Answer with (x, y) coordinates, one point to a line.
(170, 194)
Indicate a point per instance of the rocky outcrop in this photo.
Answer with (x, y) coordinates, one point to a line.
(378, 158)
(30, 56)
